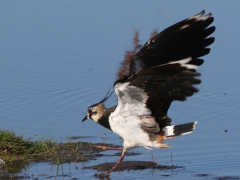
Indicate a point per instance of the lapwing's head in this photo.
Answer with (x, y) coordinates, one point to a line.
(96, 111)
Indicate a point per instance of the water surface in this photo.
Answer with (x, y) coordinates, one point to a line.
(59, 57)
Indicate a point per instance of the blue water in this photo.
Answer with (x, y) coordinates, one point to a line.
(59, 57)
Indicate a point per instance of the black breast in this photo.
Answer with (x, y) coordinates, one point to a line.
(104, 120)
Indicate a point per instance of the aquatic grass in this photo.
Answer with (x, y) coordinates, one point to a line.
(15, 149)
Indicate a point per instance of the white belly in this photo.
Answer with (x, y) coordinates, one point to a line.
(130, 130)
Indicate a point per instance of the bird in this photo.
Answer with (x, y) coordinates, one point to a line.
(162, 71)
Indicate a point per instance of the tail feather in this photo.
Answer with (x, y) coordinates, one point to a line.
(178, 130)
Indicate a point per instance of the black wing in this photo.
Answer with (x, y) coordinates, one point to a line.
(183, 39)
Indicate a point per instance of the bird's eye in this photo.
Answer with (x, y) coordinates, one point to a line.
(89, 111)
(93, 113)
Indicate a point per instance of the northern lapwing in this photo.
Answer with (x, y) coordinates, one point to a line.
(162, 71)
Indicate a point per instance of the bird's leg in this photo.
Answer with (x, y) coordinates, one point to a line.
(118, 163)
(105, 148)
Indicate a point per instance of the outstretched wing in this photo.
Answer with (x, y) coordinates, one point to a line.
(183, 39)
(142, 94)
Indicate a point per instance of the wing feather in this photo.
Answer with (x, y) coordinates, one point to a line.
(189, 37)
(143, 94)
(185, 38)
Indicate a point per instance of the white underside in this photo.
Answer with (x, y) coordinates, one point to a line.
(125, 120)
(129, 129)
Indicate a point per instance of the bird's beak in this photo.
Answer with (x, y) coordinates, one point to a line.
(85, 118)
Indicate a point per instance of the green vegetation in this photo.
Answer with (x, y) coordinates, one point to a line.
(15, 148)
(18, 152)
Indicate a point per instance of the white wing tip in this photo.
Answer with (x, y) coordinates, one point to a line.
(200, 16)
(194, 124)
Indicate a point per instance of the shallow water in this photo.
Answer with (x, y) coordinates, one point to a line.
(58, 57)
